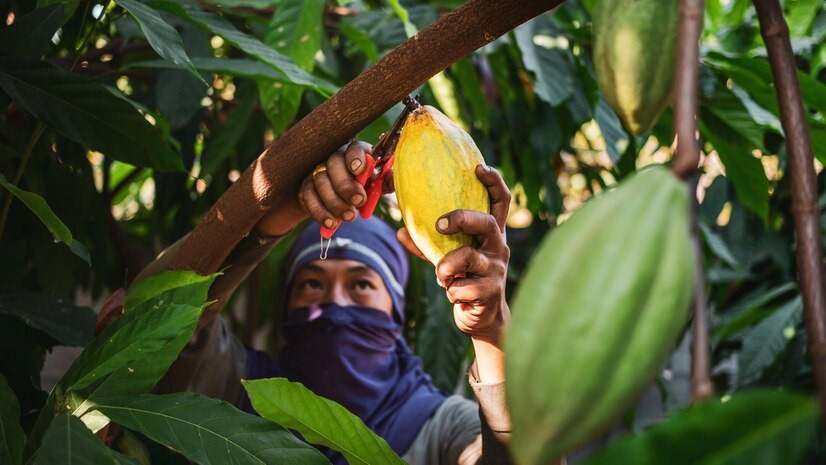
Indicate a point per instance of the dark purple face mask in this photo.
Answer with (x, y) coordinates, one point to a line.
(356, 356)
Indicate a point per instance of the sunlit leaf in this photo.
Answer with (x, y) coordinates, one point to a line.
(12, 437)
(41, 209)
(31, 33)
(160, 35)
(537, 40)
(209, 431)
(295, 32)
(753, 428)
(86, 112)
(68, 441)
(319, 420)
(68, 324)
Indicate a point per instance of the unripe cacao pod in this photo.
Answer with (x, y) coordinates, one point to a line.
(635, 43)
(596, 314)
(435, 173)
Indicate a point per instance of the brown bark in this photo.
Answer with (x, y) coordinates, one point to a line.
(805, 208)
(685, 87)
(278, 171)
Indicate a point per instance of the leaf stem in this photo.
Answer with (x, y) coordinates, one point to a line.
(38, 131)
(805, 209)
(701, 385)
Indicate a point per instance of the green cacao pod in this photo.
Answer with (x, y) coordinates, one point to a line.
(597, 312)
(435, 173)
(635, 43)
(132, 447)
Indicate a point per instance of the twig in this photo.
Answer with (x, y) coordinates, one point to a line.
(701, 385)
(805, 209)
(38, 130)
(685, 87)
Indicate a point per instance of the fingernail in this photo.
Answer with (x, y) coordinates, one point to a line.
(442, 224)
(348, 216)
(328, 223)
(488, 168)
(356, 164)
(356, 200)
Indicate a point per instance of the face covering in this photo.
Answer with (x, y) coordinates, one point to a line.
(356, 356)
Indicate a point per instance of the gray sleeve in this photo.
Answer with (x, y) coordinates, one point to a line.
(444, 437)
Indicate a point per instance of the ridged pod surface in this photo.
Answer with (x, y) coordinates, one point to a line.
(635, 43)
(597, 312)
(434, 173)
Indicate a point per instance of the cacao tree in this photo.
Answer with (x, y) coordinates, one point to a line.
(124, 121)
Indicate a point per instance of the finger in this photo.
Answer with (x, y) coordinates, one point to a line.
(328, 196)
(472, 291)
(483, 226)
(403, 235)
(460, 263)
(356, 155)
(345, 186)
(312, 204)
(498, 192)
(389, 185)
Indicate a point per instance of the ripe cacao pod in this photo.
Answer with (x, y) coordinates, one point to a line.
(596, 314)
(635, 43)
(434, 173)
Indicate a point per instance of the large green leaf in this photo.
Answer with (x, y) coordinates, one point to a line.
(86, 112)
(219, 25)
(68, 324)
(441, 346)
(68, 441)
(12, 437)
(742, 168)
(319, 420)
(209, 431)
(752, 428)
(30, 34)
(295, 32)
(238, 67)
(132, 354)
(160, 35)
(538, 41)
(766, 341)
(41, 209)
(750, 309)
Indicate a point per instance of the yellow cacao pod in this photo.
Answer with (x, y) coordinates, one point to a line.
(635, 43)
(600, 307)
(434, 173)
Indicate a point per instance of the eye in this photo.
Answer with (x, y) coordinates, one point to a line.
(364, 285)
(309, 285)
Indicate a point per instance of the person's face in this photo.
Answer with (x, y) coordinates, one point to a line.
(339, 281)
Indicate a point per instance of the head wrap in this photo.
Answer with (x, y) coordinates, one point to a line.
(371, 241)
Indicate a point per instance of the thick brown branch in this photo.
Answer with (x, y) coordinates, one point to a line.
(685, 87)
(804, 185)
(279, 170)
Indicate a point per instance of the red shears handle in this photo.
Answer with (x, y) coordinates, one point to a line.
(373, 185)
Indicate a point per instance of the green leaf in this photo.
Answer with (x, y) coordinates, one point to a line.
(40, 208)
(718, 245)
(209, 431)
(742, 168)
(361, 40)
(161, 36)
(218, 25)
(441, 346)
(86, 112)
(66, 323)
(801, 15)
(295, 32)
(12, 437)
(238, 67)
(538, 40)
(319, 420)
(133, 353)
(168, 287)
(752, 428)
(31, 34)
(766, 341)
(68, 441)
(616, 139)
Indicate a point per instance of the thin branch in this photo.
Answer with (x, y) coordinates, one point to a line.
(278, 171)
(701, 385)
(685, 87)
(805, 209)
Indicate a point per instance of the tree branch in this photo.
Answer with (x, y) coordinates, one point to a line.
(685, 88)
(805, 209)
(277, 172)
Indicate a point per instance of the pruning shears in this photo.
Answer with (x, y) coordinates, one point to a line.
(379, 163)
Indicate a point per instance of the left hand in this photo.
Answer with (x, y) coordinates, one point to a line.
(474, 276)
